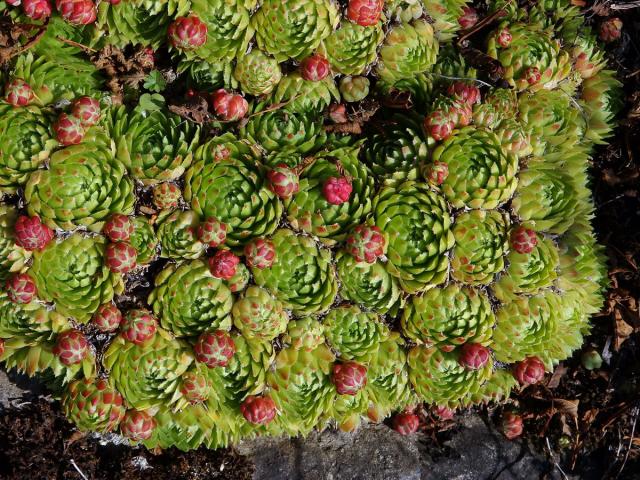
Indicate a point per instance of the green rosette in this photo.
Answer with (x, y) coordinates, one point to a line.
(481, 244)
(83, 186)
(449, 317)
(369, 285)
(130, 22)
(257, 73)
(546, 198)
(72, 273)
(301, 387)
(388, 387)
(445, 15)
(93, 405)
(397, 152)
(528, 273)
(352, 48)
(416, 221)
(227, 182)
(229, 29)
(439, 378)
(178, 237)
(601, 99)
(188, 300)
(354, 334)
(309, 211)
(496, 389)
(482, 174)
(30, 323)
(302, 276)
(297, 95)
(148, 375)
(155, 147)
(531, 47)
(408, 49)
(25, 142)
(525, 326)
(144, 240)
(292, 28)
(279, 132)
(205, 76)
(13, 259)
(258, 315)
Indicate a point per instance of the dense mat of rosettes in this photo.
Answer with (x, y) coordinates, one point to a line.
(301, 278)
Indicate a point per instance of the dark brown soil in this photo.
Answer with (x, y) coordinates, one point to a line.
(37, 442)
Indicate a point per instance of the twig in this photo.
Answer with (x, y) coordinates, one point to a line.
(625, 6)
(447, 77)
(553, 460)
(76, 44)
(84, 477)
(633, 431)
(484, 22)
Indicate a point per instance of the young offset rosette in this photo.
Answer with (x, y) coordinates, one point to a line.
(365, 12)
(139, 326)
(71, 347)
(212, 232)
(283, 181)
(229, 106)
(31, 233)
(529, 371)
(87, 110)
(118, 228)
(37, 9)
(258, 410)
(315, 68)
(214, 349)
(474, 356)
(107, 318)
(260, 253)
(187, 33)
(137, 426)
(349, 377)
(366, 243)
(120, 257)
(77, 12)
(18, 93)
(406, 423)
(69, 130)
(224, 264)
(511, 425)
(21, 288)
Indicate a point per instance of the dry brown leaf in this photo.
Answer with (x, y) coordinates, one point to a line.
(558, 373)
(569, 407)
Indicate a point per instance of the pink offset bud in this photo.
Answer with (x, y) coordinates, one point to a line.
(366, 244)
(365, 12)
(223, 264)
(139, 326)
(214, 349)
(338, 113)
(260, 253)
(87, 110)
(337, 190)
(523, 240)
(468, 18)
(120, 257)
(283, 181)
(118, 228)
(194, 387)
(31, 234)
(610, 30)
(69, 130)
(464, 92)
(18, 93)
(258, 410)
(504, 38)
(187, 33)
(436, 173)
(137, 426)
(71, 347)
(107, 318)
(532, 75)
(406, 423)
(439, 125)
(212, 232)
(21, 288)
(315, 68)
(37, 9)
(228, 106)
(529, 371)
(349, 377)
(474, 356)
(511, 425)
(444, 413)
(77, 12)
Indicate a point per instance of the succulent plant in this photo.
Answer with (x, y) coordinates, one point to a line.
(306, 282)
(323, 206)
(511, 425)
(72, 273)
(301, 26)
(26, 141)
(257, 73)
(482, 174)
(93, 405)
(416, 221)
(258, 315)
(437, 244)
(449, 317)
(408, 49)
(83, 186)
(156, 146)
(234, 191)
(188, 299)
(481, 242)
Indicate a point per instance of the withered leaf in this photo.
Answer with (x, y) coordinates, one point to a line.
(558, 373)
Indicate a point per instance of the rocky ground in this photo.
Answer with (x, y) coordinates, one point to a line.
(474, 450)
